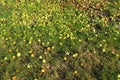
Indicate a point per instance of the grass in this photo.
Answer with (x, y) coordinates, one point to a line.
(59, 40)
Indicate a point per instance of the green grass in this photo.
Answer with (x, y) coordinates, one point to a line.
(59, 40)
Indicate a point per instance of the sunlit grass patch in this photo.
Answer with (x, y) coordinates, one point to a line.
(59, 40)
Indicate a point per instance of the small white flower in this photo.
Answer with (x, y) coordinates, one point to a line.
(5, 58)
(18, 54)
(94, 30)
(40, 57)
(39, 40)
(44, 61)
(103, 50)
(118, 76)
(94, 52)
(29, 65)
(67, 53)
(100, 45)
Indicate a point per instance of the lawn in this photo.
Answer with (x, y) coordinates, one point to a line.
(59, 39)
